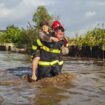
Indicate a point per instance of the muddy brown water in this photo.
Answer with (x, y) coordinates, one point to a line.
(88, 88)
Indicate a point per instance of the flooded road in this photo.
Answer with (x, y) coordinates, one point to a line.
(87, 89)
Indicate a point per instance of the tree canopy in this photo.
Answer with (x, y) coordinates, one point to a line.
(41, 15)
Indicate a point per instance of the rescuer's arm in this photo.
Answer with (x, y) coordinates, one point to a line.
(47, 37)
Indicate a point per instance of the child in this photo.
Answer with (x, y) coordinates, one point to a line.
(44, 36)
(50, 63)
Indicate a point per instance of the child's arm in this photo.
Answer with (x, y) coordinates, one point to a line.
(47, 38)
(54, 39)
(44, 37)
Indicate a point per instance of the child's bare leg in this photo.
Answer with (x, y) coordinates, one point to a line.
(34, 67)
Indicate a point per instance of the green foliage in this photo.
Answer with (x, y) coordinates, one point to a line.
(41, 15)
(13, 34)
(2, 37)
(96, 37)
(25, 37)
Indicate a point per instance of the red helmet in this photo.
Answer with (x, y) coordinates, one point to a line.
(56, 24)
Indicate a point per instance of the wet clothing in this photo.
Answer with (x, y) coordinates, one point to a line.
(44, 37)
(50, 63)
(48, 71)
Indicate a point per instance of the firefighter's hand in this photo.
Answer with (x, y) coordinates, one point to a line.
(65, 50)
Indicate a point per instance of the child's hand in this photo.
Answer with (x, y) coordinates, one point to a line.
(53, 39)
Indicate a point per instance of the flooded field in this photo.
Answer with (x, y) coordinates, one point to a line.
(88, 88)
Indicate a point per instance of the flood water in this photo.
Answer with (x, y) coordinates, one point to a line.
(88, 88)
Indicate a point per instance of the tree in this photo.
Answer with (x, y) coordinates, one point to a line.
(13, 34)
(41, 15)
(95, 37)
(27, 37)
(2, 37)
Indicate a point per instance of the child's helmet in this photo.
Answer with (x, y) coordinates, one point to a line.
(56, 24)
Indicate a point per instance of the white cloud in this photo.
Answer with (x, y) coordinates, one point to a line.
(23, 8)
(21, 13)
(101, 4)
(90, 13)
(4, 13)
(75, 16)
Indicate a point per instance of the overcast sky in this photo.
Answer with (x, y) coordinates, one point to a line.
(77, 16)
